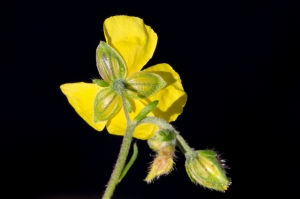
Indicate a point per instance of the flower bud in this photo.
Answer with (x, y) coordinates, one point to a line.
(204, 168)
(163, 143)
(162, 164)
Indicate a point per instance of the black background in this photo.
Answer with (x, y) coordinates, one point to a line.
(238, 63)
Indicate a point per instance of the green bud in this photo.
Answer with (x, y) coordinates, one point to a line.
(204, 168)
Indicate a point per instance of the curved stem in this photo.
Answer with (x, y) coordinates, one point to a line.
(159, 122)
(115, 176)
(184, 145)
(180, 147)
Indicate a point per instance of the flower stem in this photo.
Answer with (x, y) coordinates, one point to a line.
(115, 176)
(183, 145)
(159, 122)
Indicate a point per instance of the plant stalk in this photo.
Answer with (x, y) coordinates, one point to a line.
(115, 176)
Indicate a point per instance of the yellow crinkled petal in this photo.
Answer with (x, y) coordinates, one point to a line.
(117, 124)
(81, 96)
(134, 40)
(172, 97)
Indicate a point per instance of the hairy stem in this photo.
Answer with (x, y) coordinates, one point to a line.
(183, 145)
(115, 176)
(159, 122)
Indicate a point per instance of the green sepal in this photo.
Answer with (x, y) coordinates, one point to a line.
(106, 105)
(146, 110)
(128, 105)
(143, 84)
(189, 174)
(100, 82)
(167, 136)
(109, 63)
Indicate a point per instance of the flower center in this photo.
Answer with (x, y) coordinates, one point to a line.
(118, 85)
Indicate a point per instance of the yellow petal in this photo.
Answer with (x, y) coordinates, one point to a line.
(117, 125)
(81, 96)
(134, 40)
(145, 131)
(172, 97)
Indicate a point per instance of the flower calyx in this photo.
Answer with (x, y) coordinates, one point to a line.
(115, 83)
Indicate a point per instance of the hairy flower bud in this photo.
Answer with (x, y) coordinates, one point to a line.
(162, 164)
(204, 168)
(163, 143)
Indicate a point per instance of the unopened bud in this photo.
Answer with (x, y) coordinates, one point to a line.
(163, 143)
(204, 168)
(162, 164)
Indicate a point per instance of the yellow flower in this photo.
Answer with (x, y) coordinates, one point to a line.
(135, 42)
